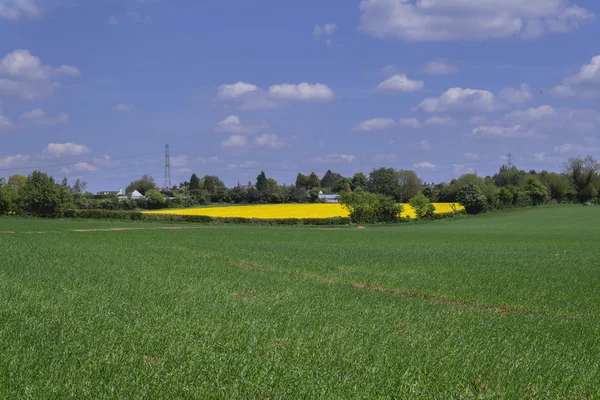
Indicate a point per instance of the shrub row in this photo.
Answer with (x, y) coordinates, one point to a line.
(139, 216)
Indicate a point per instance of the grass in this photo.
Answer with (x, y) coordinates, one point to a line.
(503, 305)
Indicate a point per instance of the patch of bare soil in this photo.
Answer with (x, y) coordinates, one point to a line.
(246, 293)
(438, 299)
(162, 228)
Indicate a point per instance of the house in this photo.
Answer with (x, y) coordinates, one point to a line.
(136, 195)
(111, 193)
(329, 198)
(244, 187)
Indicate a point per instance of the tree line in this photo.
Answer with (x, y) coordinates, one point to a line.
(579, 182)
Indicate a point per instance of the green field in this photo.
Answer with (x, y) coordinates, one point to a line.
(504, 305)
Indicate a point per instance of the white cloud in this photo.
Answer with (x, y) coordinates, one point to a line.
(12, 161)
(39, 117)
(15, 9)
(245, 165)
(235, 141)
(112, 20)
(586, 83)
(335, 159)
(375, 124)
(105, 161)
(533, 114)
(400, 83)
(445, 20)
(542, 157)
(440, 121)
(424, 145)
(79, 167)
(65, 149)
(440, 68)
(378, 124)
(251, 97)
(390, 70)
(460, 169)
(472, 156)
(424, 164)
(568, 147)
(557, 121)
(477, 119)
(235, 90)
(269, 140)
(473, 100)
(5, 123)
(233, 124)
(409, 123)
(123, 107)
(518, 96)
(23, 75)
(302, 91)
(385, 158)
(324, 31)
(500, 132)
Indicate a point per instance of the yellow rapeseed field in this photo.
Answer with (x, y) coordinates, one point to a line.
(279, 211)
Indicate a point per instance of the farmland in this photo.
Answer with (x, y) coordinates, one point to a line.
(291, 211)
(503, 305)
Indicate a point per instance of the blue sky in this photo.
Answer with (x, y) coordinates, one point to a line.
(95, 89)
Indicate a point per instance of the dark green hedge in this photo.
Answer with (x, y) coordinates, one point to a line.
(138, 216)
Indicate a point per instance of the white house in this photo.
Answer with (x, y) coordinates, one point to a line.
(329, 198)
(136, 195)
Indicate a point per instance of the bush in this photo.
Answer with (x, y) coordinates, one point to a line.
(422, 206)
(139, 216)
(370, 208)
(472, 198)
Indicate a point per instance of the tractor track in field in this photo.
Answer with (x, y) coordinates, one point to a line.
(433, 299)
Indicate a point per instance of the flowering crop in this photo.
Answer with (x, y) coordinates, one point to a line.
(278, 211)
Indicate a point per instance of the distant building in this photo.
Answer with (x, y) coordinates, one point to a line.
(244, 187)
(136, 195)
(111, 193)
(329, 198)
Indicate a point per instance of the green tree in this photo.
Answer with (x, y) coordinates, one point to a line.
(383, 181)
(42, 196)
(313, 181)
(6, 197)
(17, 181)
(583, 173)
(329, 179)
(557, 184)
(537, 191)
(194, 182)
(155, 199)
(359, 181)
(409, 185)
(422, 206)
(142, 185)
(342, 185)
(472, 198)
(302, 181)
(261, 181)
(509, 176)
(212, 184)
(79, 187)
